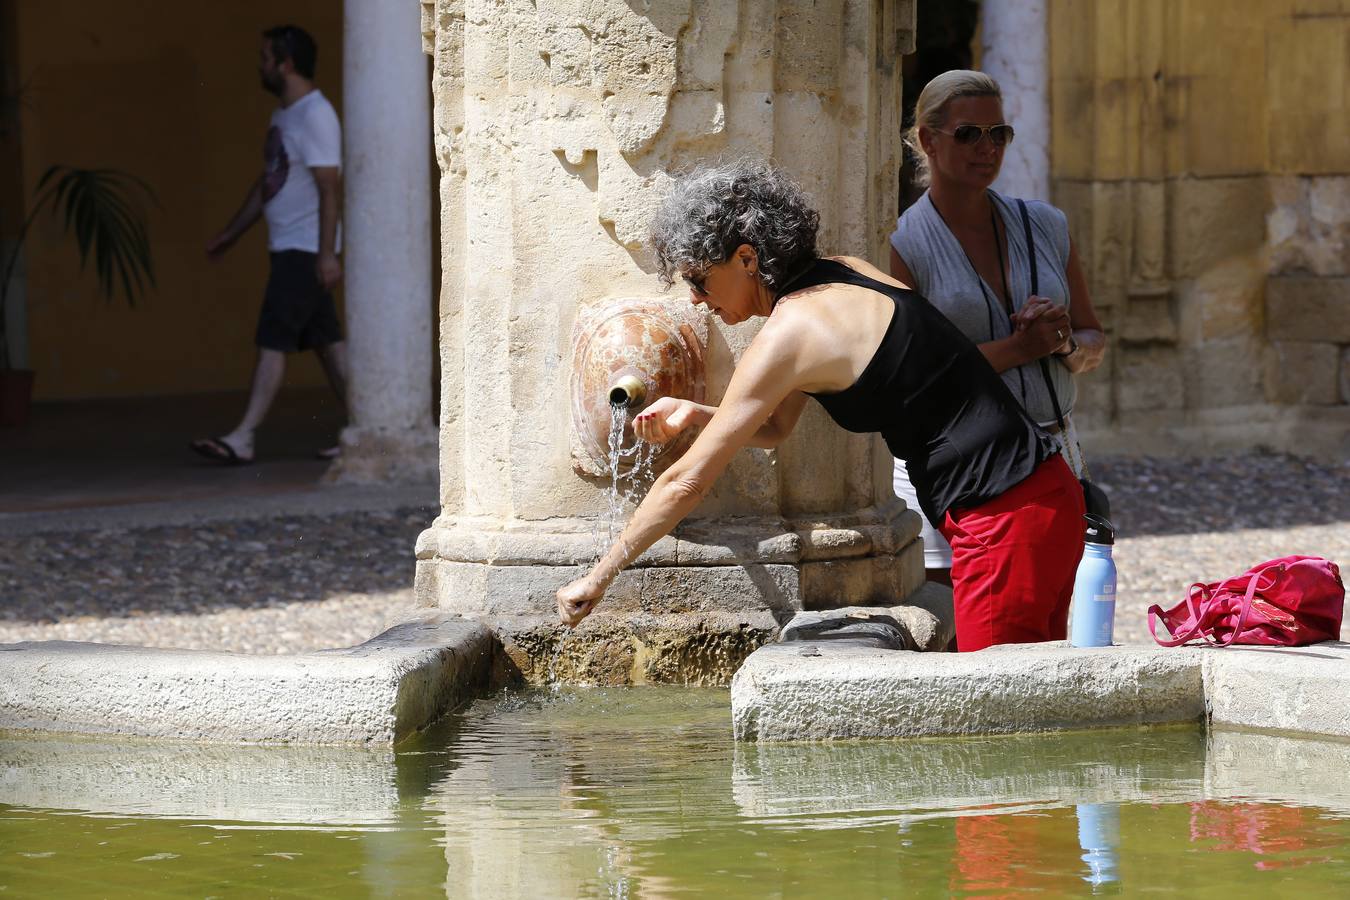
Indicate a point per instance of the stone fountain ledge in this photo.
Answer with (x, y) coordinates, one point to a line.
(854, 688)
(376, 693)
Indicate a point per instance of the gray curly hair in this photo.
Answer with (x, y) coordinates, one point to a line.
(715, 208)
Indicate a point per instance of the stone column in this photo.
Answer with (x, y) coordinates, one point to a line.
(387, 245)
(1015, 50)
(557, 129)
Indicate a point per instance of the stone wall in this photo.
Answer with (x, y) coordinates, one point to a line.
(1202, 153)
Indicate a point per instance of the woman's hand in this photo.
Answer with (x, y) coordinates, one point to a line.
(665, 419)
(1042, 327)
(578, 599)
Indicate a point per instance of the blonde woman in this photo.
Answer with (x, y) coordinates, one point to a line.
(965, 248)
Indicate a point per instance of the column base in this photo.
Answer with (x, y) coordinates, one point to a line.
(386, 456)
(688, 611)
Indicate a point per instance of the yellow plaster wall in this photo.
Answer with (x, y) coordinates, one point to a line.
(168, 91)
(1205, 88)
(1201, 149)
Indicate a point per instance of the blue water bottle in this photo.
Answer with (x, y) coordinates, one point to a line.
(1093, 615)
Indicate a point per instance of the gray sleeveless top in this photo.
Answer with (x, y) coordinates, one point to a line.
(944, 275)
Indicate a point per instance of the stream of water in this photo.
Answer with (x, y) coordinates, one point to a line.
(626, 489)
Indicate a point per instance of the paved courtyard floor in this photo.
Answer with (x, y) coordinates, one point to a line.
(304, 567)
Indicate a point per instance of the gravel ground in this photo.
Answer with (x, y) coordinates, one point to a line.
(287, 584)
(261, 585)
(1181, 521)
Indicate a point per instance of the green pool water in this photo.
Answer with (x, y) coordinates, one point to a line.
(642, 793)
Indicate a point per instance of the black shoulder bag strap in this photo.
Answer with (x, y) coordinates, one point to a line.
(1094, 498)
(1045, 365)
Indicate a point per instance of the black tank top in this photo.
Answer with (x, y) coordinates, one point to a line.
(936, 400)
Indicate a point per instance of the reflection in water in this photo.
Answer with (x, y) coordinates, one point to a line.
(843, 784)
(284, 785)
(1278, 836)
(642, 793)
(1099, 838)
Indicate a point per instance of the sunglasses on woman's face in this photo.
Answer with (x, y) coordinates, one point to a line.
(697, 283)
(1000, 135)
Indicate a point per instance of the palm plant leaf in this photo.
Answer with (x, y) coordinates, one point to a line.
(100, 207)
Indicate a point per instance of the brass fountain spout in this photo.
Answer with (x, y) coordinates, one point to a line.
(627, 392)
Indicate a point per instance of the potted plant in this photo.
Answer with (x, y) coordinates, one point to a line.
(100, 207)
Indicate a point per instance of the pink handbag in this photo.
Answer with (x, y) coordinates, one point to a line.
(1287, 602)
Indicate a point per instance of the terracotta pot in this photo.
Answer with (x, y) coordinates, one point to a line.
(16, 396)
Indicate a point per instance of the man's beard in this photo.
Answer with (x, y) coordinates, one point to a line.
(274, 85)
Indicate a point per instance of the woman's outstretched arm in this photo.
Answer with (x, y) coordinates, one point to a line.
(769, 372)
(668, 417)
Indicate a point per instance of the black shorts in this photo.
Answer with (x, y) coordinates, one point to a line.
(297, 313)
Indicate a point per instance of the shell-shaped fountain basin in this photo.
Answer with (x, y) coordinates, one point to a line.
(628, 353)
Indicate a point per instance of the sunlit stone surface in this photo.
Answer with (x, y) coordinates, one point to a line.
(825, 690)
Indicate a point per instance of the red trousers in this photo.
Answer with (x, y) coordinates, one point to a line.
(1014, 560)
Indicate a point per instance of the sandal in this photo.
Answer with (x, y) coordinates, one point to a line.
(218, 450)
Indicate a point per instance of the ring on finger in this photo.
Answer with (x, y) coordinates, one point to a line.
(1059, 333)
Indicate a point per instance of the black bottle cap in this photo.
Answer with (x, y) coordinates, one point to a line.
(1098, 531)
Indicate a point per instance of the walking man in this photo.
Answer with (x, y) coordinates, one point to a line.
(299, 192)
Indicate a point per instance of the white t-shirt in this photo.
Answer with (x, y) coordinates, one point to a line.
(302, 136)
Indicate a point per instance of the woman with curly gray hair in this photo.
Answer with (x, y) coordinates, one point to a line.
(878, 358)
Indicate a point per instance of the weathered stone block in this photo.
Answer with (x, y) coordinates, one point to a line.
(1109, 273)
(1307, 308)
(668, 648)
(1095, 406)
(1149, 379)
(481, 589)
(846, 691)
(1075, 199)
(866, 581)
(1303, 372)
(1308, 226)
(1226, 301)
(849, 692)
(376, 693)
(1148, 319)
(1213, 219)
(1229, 372)
(1301, 690)
(924, 622)
(1148, 262)
(1223, 128)
(1345, 375)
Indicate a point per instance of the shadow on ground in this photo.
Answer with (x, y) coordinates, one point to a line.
(1155, 496)
(105, 512)
(206, 567)
(93, 453)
